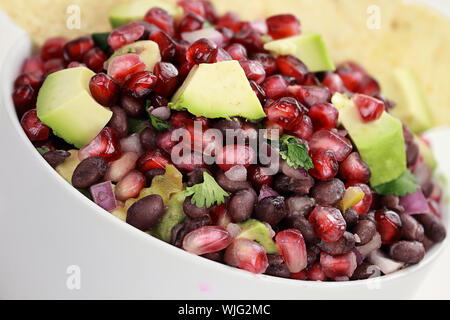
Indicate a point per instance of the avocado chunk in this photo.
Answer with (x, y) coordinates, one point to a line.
(426, 153)
(136, 9)
(174, 215)
(309, 48)
(147, 50)
(256, 231)
(67, 168)
(218, 90)
(405, 89)
(380, 143)
(65, 104)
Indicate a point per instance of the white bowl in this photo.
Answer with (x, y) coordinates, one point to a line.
(47, 227)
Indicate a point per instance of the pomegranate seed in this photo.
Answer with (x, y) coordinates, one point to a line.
(283, 26)
(195, 7)
(310, 95)
(293, 249)
(254, 70)
(104, 89)
(200, 51)
(53, 48)
(365, 204)
(122, 66)
(181, 119)
(315, 272)
(130, 186)
(24, 99)
(75, 50)
(155, 159)
(158, 101)
(354, 169)
(191, 22)
(140, 84)
(189, 162)
(369, 86)
(292, 67)
(304, 130)
(237, 51)
(275, 87)
(33, 65)
(220, 216)
(286, 112)
(75, 64)
(435, 207)
(250, 39)
(258, 90)
(325, 165)
(370, 109)
(167, 46)
(227, 35)
(185, 68)
(273, 129)
(95, 59)
(329, 140)
(33, 127)
(328, 222)
(351, 75)
(247, 255)
(323, 116)
(167, 78)
(257, 177)
(46, 144)
(34, 79)
(125, 34)
(207, 239)
(269, 63)
(302, 275)
(311, 80)
(118, 169)
(54, 65)
(233, 155)
(210, 11)
(106, 145)
(165, 141)
(230, 21)
(334, 83)
(219, 55)
(162, 19)
(182, 47)
(388, 225)
(338, 266)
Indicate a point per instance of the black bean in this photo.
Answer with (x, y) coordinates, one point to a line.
(271, 210)
(148, 138)
(146, 212)
(366, 271)
(365, 230)
(427, 243)
(132, 106)
(56, 157)
(277, 267)
(368, 216)
(150, 174)
(434, 229)
(89, 172)
(229, 185)
(196, 176)
(299, 205)
(391, 202)
(241, 205)
(285, 184)
(191, 210)
(343, 245)
(305, 227)
(411, 229)
(411, 252)
(223, 125)
(328, 193)
(181, 230)
(312, 254)
(412, 152)
(351, 217)
(119, 121)
(214, 256)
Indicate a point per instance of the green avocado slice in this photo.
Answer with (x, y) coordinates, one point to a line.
(256, 230)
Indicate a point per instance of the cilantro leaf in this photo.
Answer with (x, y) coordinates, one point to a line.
(295, 154)
(43, 151)
(206, 193)
(403, 185)
(136, 125)
(101, 40)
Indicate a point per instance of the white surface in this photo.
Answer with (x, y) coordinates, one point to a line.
(46, 226)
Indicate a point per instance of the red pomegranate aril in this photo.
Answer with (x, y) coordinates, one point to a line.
(75, 50)
(122, 66)
(237, 51)
(311, 80)
(370, 109)
(130, 186)
(247, 255)
(310, 95)
(181, 119)
(33, 127)
(210, 11)
(354, 169)
(104, 89)
(227, 35)
(95, 59)
(233, 155)
(33, 65)
(24, 98)
(219, 55)
(292, 67)
(351, 75)
(75, 64)
(191, 22)
(258, 90)
(338, 266)
(54, 65)
(369, 86)
(106, 145)
(388, 225)
(302, 275)
(323, 116)
(155, 159)
(125, 34)
(328, 222)
(53, 48)
(34, 79)
(330, 140)
(286, 112)
(200, 51)
(165, 141)
(304, 130)
(254, 70)
(189, 162)
(315, 272)
(283, 26)
(207, 239)
(293, 249)
(185, 69)
(167, 78)
(275, 87)
(167, 46)
(230, 21)
(250, 39)
(220, 215)
(162, 19)
(274, 130)
(334, 83)
(325, 165)
(190, 6)
(269, 63)
(257, 177)
(365, 204)
(140, 84)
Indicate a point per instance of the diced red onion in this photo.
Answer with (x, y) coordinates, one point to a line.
(359, 257)
(415, 203)
(237, 173)
(162, 113)
(103, 195)
(372, 245)
(267, 191)
(207, 33)
(131, 144)
(260, 26)
(385, 264)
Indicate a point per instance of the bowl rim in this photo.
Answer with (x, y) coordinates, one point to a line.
(23, 44)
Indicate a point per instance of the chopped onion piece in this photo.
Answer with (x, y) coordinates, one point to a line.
(207, 33)
(415, 203)
(162, 113)
(372, 245)
(103, 195)
(131, 144)
(237, 173)
(385, 264)
(267, 191)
